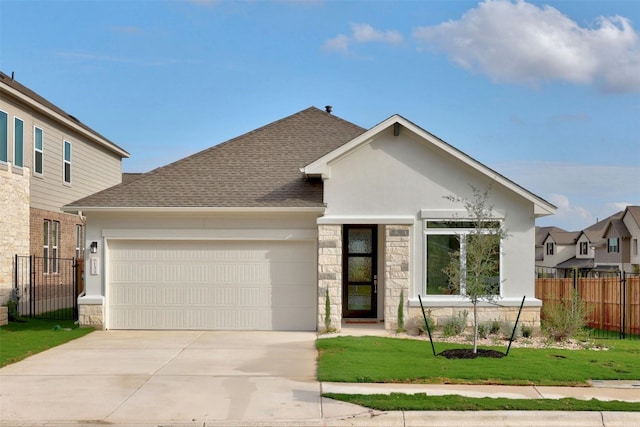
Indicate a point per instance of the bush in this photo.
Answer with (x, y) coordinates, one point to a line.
(484, 329)
(415, 325)
(563, 320)
(506, 329)
(455, 325)
(527, 331)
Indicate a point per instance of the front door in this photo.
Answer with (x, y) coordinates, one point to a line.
(360, 277)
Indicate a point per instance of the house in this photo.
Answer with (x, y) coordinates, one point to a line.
(558, 246)
(256, 232)
(618, 248)
(48, 159)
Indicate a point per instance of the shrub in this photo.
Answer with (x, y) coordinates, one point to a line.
(400, 327)
(506, 329)
(455, 325)
(495, 327)
(563, 320)
(484, 329)
(527, 331)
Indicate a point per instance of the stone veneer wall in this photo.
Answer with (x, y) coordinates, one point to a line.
(530, 316)
(396, 273)
(91, 315)
(330, 275)
(14, 226)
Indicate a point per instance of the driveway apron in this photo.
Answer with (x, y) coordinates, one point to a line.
(119, 376)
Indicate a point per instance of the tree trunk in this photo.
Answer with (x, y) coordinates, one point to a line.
(475, 327)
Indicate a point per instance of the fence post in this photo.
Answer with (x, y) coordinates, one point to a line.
(623, 304)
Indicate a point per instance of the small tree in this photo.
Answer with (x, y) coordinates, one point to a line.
(474, 270)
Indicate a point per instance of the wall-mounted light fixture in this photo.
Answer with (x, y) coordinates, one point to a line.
(94, 247)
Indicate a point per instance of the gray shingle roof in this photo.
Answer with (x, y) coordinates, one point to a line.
(258, 169)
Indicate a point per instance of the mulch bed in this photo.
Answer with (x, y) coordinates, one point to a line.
(467, 353)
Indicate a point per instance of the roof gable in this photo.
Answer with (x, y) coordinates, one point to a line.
(321, 167)
(260, 169)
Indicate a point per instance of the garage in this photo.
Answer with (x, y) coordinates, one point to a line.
(220, 285)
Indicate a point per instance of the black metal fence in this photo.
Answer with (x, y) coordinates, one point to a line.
(612, 299)
(46, 287)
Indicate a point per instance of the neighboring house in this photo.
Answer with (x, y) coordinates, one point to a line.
(558, 246)
(255, 232)
(618, 249)
(47, 159)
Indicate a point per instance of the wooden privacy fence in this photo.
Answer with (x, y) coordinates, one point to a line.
(613, 303)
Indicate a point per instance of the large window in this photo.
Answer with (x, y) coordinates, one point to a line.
(444, 238)
(613, 245)
(18, 142)
(67, 162)
(38, 151)
(4, 132)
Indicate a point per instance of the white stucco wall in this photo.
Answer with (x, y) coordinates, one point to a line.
(403, 177)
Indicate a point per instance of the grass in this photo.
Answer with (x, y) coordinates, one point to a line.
(392, 360)
(19, 340)
(422, 402)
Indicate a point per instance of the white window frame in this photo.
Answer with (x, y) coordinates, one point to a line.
(79, 240)
(613, 249)
(455, 232)
(550, 248)
(15, 143)
(66, 161)
(37, 150)
(6, 138)
(54, 243)
(46, 226)
(584, 248)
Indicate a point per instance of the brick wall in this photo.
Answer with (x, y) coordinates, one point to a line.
(14, 224)
(67, 232)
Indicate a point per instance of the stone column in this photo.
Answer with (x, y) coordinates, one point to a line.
(396, 272)
(330, 275)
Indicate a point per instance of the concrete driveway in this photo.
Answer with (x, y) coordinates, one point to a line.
(158, 376)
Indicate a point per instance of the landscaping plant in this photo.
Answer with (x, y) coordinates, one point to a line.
(472, 270)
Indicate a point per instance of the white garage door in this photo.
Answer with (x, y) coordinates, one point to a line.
(246, 285)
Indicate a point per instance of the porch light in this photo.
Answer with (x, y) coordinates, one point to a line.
(94, 247)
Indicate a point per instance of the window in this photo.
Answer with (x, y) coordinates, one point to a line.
(45, 252)
(550, 247)
(445, 238)
(38, 149)
(636, 243)
(18, 142)
(4, 132)
(51, 234)
(613, 245)
(67, 162)
(79, 240)
(584, 248)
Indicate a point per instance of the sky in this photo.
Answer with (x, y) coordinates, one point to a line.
(547, 93)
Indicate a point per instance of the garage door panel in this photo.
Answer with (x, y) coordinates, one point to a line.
(212, 285)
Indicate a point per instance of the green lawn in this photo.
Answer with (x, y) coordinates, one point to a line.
(392, 360)
(19, 340)
(422, 402)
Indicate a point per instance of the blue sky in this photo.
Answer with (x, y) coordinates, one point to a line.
(546, 93)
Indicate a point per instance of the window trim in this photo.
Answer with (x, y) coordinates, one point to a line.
(6, 139)
(66, 161)
(79, 240)
(455, 231)
(584, 248)
(613, 249)
(36, 151)
(550, 248)
(46, 230)
(17, 119)
(54, 245)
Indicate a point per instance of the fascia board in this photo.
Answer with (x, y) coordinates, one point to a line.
(66, 121)
(84, 209)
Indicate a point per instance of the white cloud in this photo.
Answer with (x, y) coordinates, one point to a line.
(522, 43)
(361, 33)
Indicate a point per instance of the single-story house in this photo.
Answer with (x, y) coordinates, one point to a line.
(256, 232)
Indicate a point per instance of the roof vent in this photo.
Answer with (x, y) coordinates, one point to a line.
(328, 108)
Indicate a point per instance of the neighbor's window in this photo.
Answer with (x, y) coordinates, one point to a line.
(613, 246)
(4, 132)
(584, 248)
(79, 235)
(67, 162)
(51, 236)
(550, 248)
(38, 149)
(636, 243)
(18, 142)
(445, 237)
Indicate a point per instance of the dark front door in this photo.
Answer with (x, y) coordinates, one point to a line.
(360, 276)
